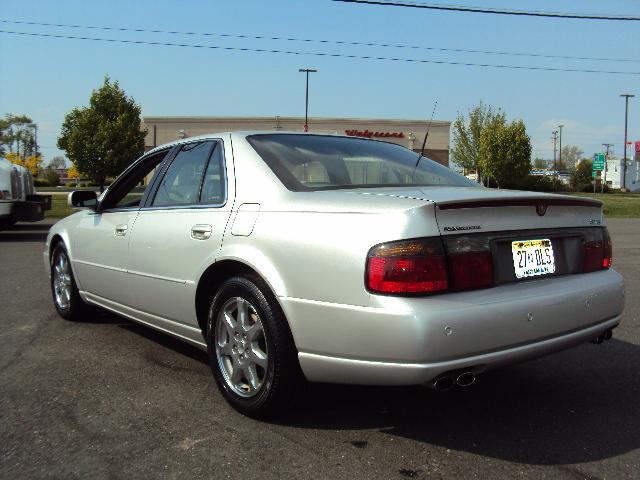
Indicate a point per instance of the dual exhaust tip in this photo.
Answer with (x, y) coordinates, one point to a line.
(448, 380)
(606, 335)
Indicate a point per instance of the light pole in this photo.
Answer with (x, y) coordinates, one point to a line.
(626, 96)
(555, 139)
(560, 151)
(606, 162)
(307, 71)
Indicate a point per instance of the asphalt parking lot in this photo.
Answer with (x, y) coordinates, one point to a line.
(107, 398)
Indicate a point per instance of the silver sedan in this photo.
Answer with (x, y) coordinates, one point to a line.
(293, 257)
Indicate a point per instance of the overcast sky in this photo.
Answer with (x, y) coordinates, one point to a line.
(46, 77)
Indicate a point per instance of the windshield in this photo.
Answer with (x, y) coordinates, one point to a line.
(319, 162)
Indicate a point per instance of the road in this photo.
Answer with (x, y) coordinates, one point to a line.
(108, 399)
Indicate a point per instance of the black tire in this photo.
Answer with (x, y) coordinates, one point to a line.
(76, 308)
(282, 378)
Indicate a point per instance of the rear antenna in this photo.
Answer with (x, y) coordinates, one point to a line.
(424, 143)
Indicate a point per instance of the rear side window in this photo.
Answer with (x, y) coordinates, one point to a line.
(213, 185)
(183, 179)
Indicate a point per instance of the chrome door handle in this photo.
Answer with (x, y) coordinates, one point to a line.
(121, 230)
(201, 232)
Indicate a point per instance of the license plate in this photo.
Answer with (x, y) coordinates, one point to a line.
(533, 257)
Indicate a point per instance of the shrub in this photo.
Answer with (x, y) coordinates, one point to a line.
(38, 182)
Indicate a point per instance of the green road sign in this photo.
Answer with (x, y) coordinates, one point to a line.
(598, 161)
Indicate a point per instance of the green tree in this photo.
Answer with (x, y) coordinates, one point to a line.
(17, 135)
(582, 174)
(466, 136)
(505, 151)
(52, 177)
(105, 137)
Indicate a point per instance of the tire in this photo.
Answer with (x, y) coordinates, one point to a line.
(254, 362)
(64, 290)
(7, 222)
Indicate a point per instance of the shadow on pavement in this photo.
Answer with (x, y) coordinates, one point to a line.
(577, 406)
(28, 232)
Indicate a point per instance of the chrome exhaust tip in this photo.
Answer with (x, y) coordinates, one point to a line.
(607, 334)
(466, 379)
(443, 383)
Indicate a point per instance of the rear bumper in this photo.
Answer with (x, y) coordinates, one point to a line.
(402, 341)
(321, 368)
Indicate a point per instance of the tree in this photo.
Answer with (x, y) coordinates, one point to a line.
(571, 155)
(505, 151)
(57, 163)
(17, 135)
(540, 164)
(32, 162)
(73, 172)
(105, 137)
(52, 177)
(582, 173)
(467, 133)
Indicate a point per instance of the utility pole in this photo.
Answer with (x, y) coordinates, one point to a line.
(555, 139)
(626, 96)
(560, 151)
(606, 162)
(307, 71)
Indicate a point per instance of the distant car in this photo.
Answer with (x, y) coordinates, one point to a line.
(334, 259)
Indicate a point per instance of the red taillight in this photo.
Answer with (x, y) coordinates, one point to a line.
(597, 253)
(471, 270)
(607, 258)
(413, 266)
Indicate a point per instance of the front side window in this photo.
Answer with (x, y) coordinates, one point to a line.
(128, 190)
(319, 162)
(182, 181)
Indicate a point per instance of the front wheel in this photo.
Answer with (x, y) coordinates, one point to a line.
(64, 290)
(251, 350)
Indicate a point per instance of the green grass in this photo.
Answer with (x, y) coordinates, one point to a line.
(620, 205)
(59, 207)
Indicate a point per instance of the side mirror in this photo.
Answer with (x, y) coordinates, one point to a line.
(83, 199)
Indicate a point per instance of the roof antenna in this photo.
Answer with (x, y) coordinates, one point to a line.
(424, 143)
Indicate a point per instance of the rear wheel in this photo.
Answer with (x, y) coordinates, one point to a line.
(64, 291)
(251, 350)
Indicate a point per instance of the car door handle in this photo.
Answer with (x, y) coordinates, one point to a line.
(201, 232)
(121, 230)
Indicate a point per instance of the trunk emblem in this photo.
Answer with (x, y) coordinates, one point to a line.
(541, 209)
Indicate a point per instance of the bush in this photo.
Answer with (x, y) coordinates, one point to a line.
(70, 184)
(538, 183)
(52, 177)
(37, 182)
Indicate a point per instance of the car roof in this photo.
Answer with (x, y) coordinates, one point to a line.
(246, 133)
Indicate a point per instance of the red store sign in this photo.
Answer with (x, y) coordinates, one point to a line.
(370, 134)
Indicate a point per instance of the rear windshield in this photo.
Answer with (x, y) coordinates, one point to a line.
(319, 162)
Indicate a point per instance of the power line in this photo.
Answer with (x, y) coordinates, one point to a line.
(308, 40)
(496, 11)
(318, 54)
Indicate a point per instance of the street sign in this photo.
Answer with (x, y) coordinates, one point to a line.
(598, 162)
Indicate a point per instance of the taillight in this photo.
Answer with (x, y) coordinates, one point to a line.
(607, 258)
(597, 252)
(407, 267)
(471, 262)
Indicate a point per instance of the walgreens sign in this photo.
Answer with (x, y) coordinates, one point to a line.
(370, 134)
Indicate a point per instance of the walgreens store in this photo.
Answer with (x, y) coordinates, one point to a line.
(408, 133)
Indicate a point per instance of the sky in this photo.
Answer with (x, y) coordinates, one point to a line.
(45, 78)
